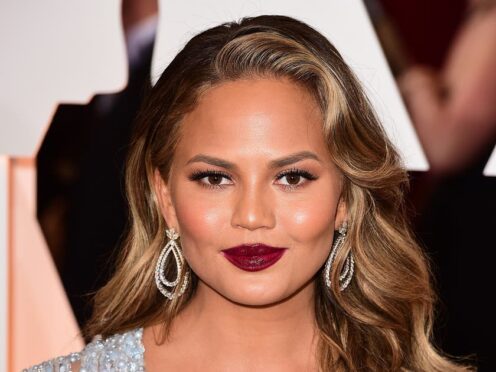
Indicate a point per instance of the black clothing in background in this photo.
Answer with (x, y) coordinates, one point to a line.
(458, 226)
(88, 198)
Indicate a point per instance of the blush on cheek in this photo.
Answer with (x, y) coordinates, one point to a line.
(199, 220)
(301, 217)
(307, 224)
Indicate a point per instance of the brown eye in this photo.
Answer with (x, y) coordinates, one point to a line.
(211, 179)
(293, 179)
(215, 179)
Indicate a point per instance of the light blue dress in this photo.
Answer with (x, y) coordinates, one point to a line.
(122, 352)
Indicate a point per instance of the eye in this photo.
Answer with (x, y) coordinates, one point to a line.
(211, 179)
(295, 178)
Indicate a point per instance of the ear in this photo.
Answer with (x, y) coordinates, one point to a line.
(341, 214)
(164, 200)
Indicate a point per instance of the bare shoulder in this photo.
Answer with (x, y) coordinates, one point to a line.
(122, 351)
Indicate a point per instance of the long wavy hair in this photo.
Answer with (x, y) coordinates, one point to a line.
(384, 320)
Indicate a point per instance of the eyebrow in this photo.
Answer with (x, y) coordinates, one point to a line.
(276, 163)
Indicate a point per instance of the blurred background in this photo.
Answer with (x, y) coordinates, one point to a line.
(443, 55)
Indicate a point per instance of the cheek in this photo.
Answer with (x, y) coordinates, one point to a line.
(199, 218)
(310, 220)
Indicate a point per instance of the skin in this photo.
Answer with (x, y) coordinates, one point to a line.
(135, 11)
(453, 109)
(267, 320)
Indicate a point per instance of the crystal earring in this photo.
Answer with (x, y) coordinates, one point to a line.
(347, 272)
(160, 280)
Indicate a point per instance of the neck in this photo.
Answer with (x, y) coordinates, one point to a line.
(281, 331)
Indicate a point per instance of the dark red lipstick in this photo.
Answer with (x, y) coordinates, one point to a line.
(253, 257)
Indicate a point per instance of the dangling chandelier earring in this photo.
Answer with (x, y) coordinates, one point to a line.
(160, 280)
(347, 272)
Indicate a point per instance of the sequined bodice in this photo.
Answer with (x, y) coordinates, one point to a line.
(122, 352)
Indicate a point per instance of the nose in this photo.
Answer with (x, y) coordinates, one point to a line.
(253, 209)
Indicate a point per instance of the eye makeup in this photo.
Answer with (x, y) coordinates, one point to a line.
(214, 176)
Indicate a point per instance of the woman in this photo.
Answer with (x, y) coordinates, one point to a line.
(268, 225)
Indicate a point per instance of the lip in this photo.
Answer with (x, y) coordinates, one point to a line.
(253, 257)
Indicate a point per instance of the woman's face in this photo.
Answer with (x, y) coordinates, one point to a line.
(252, 166)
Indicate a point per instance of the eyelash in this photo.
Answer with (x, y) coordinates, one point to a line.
(198, 175)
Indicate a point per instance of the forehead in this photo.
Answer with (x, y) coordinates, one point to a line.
(271, 116)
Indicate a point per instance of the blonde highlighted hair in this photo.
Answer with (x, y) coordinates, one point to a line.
(383, 321)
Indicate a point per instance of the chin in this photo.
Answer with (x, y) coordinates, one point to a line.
(261, 295)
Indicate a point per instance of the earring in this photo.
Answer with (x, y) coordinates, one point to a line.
(160, 280)
(347, 272)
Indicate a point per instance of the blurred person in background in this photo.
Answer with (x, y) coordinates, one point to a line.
(453, 108)
(81, 203)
